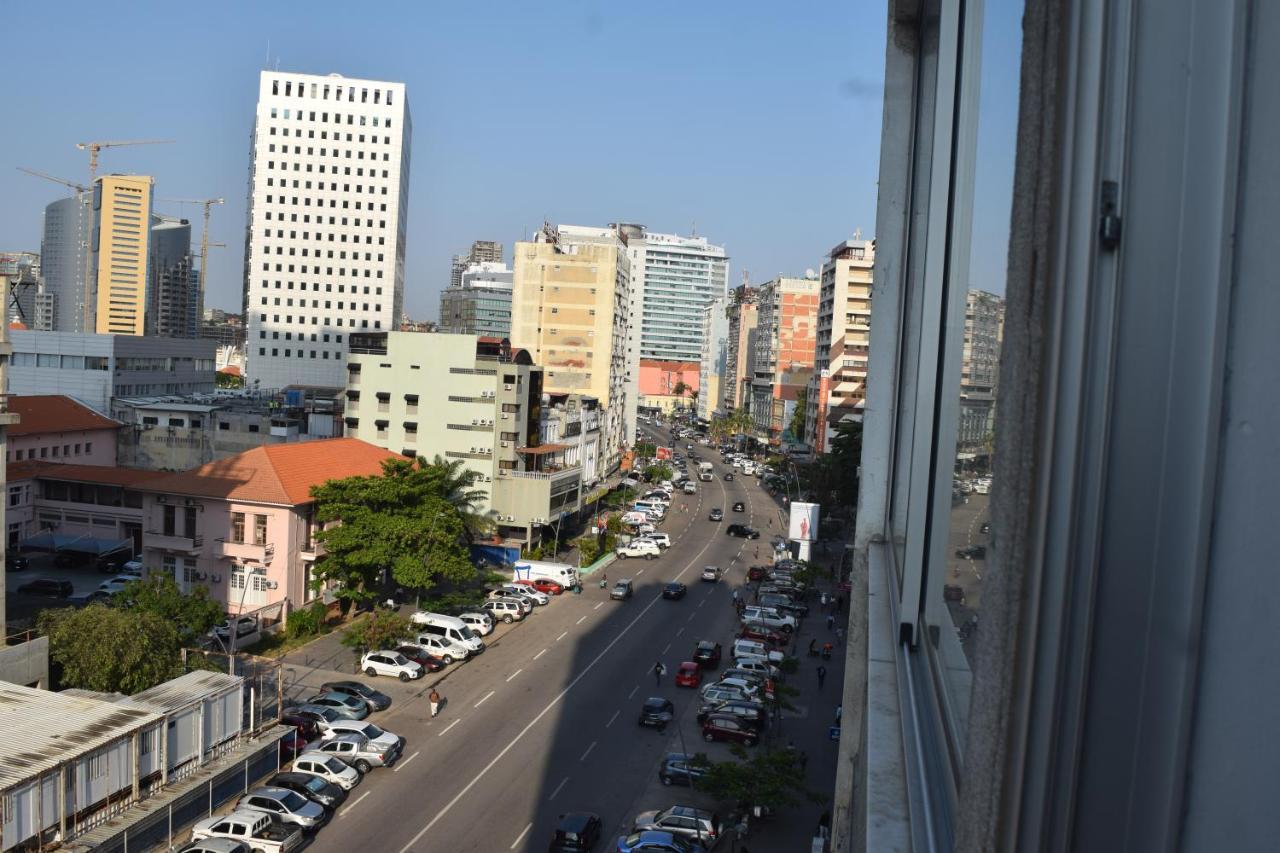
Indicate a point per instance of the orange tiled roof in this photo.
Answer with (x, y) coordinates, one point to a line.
(277, 473)
(104, 474)
(230, 370)
(46, 413)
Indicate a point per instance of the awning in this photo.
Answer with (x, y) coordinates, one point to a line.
(84, 544)
(542, 448)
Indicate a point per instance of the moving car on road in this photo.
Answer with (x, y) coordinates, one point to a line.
(728, 477)
(739, 506)
(710, 574)
(674, 591)
(742, 531)
(622, 590)
(656, 712)
(576, 832)
(48, 587)
(716, 514)
(707, 654)
(972, 552)
(688, 674)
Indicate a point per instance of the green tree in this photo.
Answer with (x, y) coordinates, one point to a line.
(110, 649)
(382, 629)
(773, 778)
(797, 416)
(403, 521)
(226, 380)
(656, 473)
(456, 484)
(680, 389)
(192, 614)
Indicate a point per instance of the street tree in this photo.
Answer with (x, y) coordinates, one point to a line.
(111, 649)
(770, 777)
(797, 416)
(456, 483)
(381, 629)
(401, 522)
(192, 614)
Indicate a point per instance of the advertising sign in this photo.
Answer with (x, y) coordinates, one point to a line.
(804, 522)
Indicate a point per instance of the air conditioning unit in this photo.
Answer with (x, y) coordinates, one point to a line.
(215, 578)
(475, 421)
(506, 444)
(200, 576)
(506, 416)
(271, 584)
(506, 388)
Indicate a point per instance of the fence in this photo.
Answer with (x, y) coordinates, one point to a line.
(263, 682)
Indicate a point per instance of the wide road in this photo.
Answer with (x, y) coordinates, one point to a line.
(545, 722)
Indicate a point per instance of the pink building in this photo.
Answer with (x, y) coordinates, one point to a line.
(242, 526)
(55, 428)
(658, 381)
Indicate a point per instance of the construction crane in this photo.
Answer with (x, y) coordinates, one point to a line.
(47, 177)
(204, 236)
(94, 147)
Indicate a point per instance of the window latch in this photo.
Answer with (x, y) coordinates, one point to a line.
(1109, 225)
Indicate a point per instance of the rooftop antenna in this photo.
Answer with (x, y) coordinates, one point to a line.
(693, 230)
(857, 233)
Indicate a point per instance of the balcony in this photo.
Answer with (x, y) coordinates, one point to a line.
(551, 474)
(244, 552)
(172, 542)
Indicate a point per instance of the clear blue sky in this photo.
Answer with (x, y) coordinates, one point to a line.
(757, 121)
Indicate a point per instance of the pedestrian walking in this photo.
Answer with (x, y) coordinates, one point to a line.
(822, 675)
(839, 635)
(658, 671)
(435, 702)
(831, 621)
(735, 599)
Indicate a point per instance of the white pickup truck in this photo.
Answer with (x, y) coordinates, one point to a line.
(256, 829)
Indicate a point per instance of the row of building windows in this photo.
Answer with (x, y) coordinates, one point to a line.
(266, 267)
(323, 91)
(333, 202)
(54, 452)
(355, 256)
(306, 185)
(289, 353)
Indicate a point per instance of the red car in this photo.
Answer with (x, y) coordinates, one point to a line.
(729, 727)
(755, 573)
(546, 585)
(688, 675)
(292, 745)
(430, 663)
(756, 632)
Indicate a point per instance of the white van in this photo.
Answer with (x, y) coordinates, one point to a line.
(449, 628)
(650, 507)
(528, 570)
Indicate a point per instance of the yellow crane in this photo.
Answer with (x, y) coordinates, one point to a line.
(204, 236)
(94, 147)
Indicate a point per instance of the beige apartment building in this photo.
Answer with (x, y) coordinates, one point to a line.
(838, 389)
(786, 335)
(119, 253)
(474, 399)
(741, 312)
(569, 309)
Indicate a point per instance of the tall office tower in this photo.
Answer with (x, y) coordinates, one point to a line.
(742, 315)
(715, 350)
(118, 254)
(328, 206)
(6, 419)
(838, 390)
(481, 303)
(786, 336)
(173, 284)
(482, 252)
(980, 372)
(20, 276)
(63, 246)
(569, 309)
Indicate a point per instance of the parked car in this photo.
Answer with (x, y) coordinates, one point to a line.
(656, 712)
(524, 602)
(15, 563)
(48, 587)
(739, 506)
(769, 617)
(390, 663)
(622, 590)
(544, 585)
(639, 548)
(442, 647)
(482, 623)
(376, 700)
(755, 573)
(327, 768)
(306, 726)
(507, 609)
(657, 841)
(662, 540)
(688, 822)
(688, 674)
(752, 713)
(707, 654)
(677, 768)
(742, 531)
(713, 692)
(243, 626)
(110, 587)
(972, 552)
(716, 514)
(262, 831)
(312, 787)
(322, 716)
(710, 574)
(524, 591)
(215, 845)
(358, 751)
(576, 832)
(423, 658)
(285, 806)
(755, 665)
(674, 591)
(729, 727)
(784, 604)
(378, 737)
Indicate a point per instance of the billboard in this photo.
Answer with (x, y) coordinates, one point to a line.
(804, 522)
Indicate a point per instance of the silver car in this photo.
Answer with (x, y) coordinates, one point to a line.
(285, 806)
(356, 750)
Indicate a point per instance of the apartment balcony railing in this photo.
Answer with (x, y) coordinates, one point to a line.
(555, 474)
(246, 551)
(173, 542)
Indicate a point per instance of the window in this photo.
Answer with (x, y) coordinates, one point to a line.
(237, 527)
(259, 530)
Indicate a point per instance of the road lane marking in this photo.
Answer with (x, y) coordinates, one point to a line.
(514, 674)
(598, 606)
(579, 622)
(588, 752)
(446, 728)
(562, 636)
(487, 695)
(540, 654)
(700, 603)
(556, 700)
(667, 649)
(520, 837)
(353, 805)
(558, 787)
(611, 719)
(633, 691)
(679, 631)
(406, 761)
(640, 572)
(690, 619)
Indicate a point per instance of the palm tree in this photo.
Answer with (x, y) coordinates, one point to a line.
(455, 484)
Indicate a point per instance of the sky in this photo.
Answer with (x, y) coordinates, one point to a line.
(757, 124)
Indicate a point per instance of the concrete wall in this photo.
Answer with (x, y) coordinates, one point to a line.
(26, 663)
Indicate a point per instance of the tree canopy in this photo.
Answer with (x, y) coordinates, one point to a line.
(192, 614)
(409, 521)
(112, 649)
(773, 778)
(797, 416)
(379, 630)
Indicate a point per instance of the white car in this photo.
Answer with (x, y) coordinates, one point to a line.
(516, 589)
(645, 529)
(981, 488)
(445, 649)
(328, 768)
(523, 602)
(381, 739)
(663, 540)
(394, 664)
(640, 548)
(481, 623)
(710, 573)
(116, 584)
(767, 616)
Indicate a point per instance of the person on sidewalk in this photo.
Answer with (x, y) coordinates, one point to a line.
(822, 675)
(434, 698)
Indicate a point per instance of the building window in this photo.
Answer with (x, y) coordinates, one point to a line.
(237, 527)
(259, 530)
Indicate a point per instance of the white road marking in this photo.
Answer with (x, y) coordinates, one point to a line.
(640, 572)
(514, 674)
(487, 695)
(679, 631)
(582, 617)
(562, 636)
(353, 805)
(633, 691)
(558, 787)
(611, 719)
(446, 728)
(540, 654)
(520, 837)
(406, 761)
(700, 603)
(690, 619)
(588, 752)
(667, 649)
(598, 606)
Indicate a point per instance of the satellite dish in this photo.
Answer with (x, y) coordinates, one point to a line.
(810, 273)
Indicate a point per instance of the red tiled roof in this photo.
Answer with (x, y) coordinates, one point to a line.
(230, 370)
(278, 473)
(104, 474)
(46, 413)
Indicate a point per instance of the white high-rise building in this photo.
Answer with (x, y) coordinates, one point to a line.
(715, 354)
(328, 205)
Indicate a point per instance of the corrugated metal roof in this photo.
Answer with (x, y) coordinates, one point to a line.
(42, 729)
(185, 689)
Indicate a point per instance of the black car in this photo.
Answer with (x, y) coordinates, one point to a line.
(14, 563)
(313, 788)
(657, 712)
(576, 832)
(707, 654)
(717, 514)
(48, 587)
(753, 714)
(680, 769)
(739, 507)
(728, 477)
(972, 552)
(674, 591)
(112, 563)
(743, 531)
(985, 528)
(306, 726)
(376, 700)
